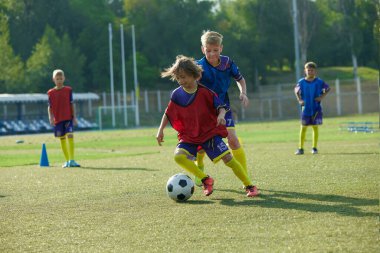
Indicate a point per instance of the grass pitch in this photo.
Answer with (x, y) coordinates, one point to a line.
(117, 202)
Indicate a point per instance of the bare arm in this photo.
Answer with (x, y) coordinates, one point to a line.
(51, 116)
(243, 92)
(299, 99)
(160, 132)
(221, 120)
(319, 99)
(75, 122)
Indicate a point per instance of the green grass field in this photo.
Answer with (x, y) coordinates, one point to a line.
(117, 201)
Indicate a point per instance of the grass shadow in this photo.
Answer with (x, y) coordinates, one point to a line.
(352, 153)
(116, 168)
(342, 205)
(196, 202)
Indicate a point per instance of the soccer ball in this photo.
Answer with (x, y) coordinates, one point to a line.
(180, 187)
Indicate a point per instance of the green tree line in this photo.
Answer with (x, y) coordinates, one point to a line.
(37, 36)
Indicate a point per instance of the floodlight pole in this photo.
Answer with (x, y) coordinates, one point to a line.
(137, 91)
(123, 73)
(111, 76)
(296, 41)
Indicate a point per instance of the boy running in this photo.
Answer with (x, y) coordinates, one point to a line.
(217, 73)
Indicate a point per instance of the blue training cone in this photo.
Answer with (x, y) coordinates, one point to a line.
(44, 162)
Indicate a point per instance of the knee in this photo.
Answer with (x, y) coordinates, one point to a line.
(227, 158)
(180, 157)
(233, 142)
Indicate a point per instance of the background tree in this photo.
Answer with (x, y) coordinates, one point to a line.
(12, 67)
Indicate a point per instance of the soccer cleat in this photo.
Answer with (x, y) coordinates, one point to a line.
(72, 163)
(197, 180)
(314, 151)
(299, 151)
(65, 165)
(207, 184)
(252, 191)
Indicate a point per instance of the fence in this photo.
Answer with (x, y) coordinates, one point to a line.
(269, 102)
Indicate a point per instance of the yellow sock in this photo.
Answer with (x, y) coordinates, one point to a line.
(71, 148)
(200, 157)
(189, 165)
(239, 155)
(315, 136)
(239, 171)
(64, 147)
(302, 136)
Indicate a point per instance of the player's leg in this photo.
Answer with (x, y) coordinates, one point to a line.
(302, 137)
(70, 140)
(184, 156)
(237, 168)
(315, 139)
(65, 151)
(200, 156)
(237, 149)
(234, 143)
(59, 132)
(221, 152)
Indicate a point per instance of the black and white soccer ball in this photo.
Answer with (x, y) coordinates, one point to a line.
(180, 187)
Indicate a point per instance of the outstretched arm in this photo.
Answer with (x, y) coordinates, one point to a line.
(160, 132)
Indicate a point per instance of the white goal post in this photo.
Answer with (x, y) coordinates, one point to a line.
(124, 116)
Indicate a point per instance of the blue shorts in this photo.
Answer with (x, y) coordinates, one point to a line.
(229, 120)
(312, 120)
(63, 128)
(215, 148)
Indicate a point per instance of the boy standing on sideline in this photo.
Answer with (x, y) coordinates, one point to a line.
(62, 116)
(217, 73)
(198, 115)
(310, 91)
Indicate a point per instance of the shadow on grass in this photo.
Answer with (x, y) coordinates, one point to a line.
(118, 168)
(195, 202)
(352, 153)
(2, 196)
(346, 206)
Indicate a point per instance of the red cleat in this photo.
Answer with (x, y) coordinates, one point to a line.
(207, 184)
(252, 191)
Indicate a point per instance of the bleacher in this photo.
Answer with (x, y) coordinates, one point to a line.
(16, 127)
(26, 113)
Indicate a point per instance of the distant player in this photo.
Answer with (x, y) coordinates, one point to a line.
(62, 116)
(218, 70)
(198, 115)
(310, 91)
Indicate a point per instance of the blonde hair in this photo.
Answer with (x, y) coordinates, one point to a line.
(310, 64)
(211, 38)
(185, 64)
(58, 72)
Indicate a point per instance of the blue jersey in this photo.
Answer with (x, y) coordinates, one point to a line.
(308, 91)
(218, 78)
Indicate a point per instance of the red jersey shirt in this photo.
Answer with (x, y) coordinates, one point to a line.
(60, 101)
(194, 116)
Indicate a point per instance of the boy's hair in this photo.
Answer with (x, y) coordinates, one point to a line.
(310, 64)
(58, 72)
(211, 38)
(183, 63)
